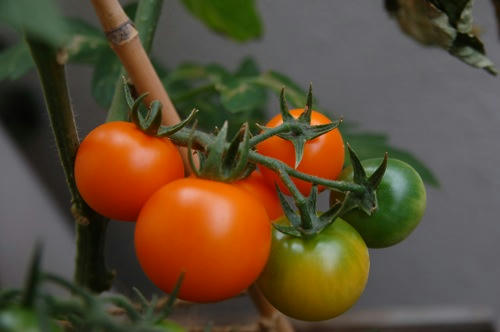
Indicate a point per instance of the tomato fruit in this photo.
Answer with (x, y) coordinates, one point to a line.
(168, 325)
(401, 204)
(118, 167)
(257, 186)
(19, 319)
(323, 155)
(217, 234)
(318, 277)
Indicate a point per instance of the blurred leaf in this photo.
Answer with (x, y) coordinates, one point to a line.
(274, 81)
(15, 61)
(40, 19)
(240, 95)
(247, 68)
(237, 19)
(443, 23)
(106, 72)
(83, 45)
(374, 145)
(86, 41)
(219, 94)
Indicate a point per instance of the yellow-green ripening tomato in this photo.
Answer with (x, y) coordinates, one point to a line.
(318, 277)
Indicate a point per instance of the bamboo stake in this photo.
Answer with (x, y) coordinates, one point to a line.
(124, 40)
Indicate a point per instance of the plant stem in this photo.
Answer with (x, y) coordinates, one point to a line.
(90, 271)
(268, 312)
(284, 127)
(146, 20)
(201, 140)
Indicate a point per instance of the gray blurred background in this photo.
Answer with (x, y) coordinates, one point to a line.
(362, 68)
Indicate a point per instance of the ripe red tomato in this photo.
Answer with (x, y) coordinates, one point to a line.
(323, 156)
(118, 167)
(256, 185)
(217, 234)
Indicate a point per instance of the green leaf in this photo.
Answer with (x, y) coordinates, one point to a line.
(274, 81)
(86, 42)
(15, 61)
(237, 19)
(444, 23)
(107, 71)
(374, 145)
(241, 95)
(40, 19)
(247, 68)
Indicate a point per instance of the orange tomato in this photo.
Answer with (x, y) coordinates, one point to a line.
(118, 167)
(323, 156)
(217, 234)
(257, 186)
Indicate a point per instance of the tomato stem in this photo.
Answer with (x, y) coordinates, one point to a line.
(269, 132)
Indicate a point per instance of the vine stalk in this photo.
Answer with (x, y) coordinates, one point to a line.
(90, 270)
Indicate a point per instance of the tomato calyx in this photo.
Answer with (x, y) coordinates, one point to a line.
(221, 160)
(299, 131)
(367, 199)
(149, 120)
(308, 221)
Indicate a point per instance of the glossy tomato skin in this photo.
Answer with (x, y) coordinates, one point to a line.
(259, 188)
(323, 156)
(401, 204)
(217, 234)
(316, 278)
(118, 167)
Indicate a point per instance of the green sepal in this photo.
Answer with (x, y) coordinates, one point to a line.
(213, 164)
(366, 200)
(127, 92)
(305, 117)
(301, 129)
(33, 278)
(359, 174)
(326, 218)
(223, 161)
(153, 118)
(135, 115)
(287, 209)
(308, 222)
(289, 230)
(167, 309)
(241, 149)
(285, 115)
(170, 130)
(192, 164)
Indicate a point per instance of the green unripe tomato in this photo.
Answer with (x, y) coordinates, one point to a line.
(18, 319)
(170, 326)
(317, 277)
(401, 204)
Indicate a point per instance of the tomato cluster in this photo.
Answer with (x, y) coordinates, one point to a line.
(218, 235)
